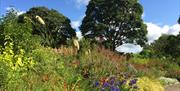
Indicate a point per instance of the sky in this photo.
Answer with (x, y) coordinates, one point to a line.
(160, 16)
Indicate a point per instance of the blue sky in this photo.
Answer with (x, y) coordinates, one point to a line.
(159, 15)
(156, 11)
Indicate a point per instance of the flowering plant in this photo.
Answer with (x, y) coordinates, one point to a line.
(119, 83)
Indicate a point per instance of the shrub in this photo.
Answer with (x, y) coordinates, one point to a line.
(3, 75)
(20, 33)
(14, 65)
(53, 71)
(15, 62)
(117, 83)
(146, 84)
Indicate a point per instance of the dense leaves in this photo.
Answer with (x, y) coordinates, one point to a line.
(57, 28)
(20, 33)
(167, 46)
(179, 20)
(117, 21)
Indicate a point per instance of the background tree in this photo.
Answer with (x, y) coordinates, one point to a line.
(57, 29)
(167, 46)
(179, 20)
(118, 21)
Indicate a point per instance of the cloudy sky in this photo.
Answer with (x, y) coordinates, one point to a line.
(159, 15)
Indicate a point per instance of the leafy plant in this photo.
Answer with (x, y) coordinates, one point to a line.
(146, 84)
(20, 33)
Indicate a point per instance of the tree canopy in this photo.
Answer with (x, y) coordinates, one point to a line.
(56, 30)
(118, 21)
(179, 20)
(167, 46)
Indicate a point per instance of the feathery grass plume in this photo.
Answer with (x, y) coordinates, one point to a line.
(40, 20)
(88, 52)
(76, 43)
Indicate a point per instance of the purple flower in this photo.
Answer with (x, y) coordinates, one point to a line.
(115, 88)
(118, 83)
(122, 82)
(112, 81)
(105, 84)
(96, 84)
(132, 82)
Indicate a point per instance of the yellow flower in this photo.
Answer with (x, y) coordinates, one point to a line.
(22, 51)
(10, 51)
(31, 62)
(146, 84)
(19, 62)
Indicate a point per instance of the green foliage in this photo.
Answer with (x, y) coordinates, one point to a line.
(3, 75)
(12, 64)
(85, 46)
(14, 61)
(138, 60)
(57, 29)
(147, 84)
(155, 67)
(20, 33)
(178, 20)
(166, 47)
(118, 21)
(51, 72)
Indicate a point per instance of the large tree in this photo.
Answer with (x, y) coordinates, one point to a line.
(168, 46)
(56, 30)
(179, 20)
(118, 21)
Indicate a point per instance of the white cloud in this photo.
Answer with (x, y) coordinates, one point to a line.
(155, 31)
(143, 15)
(79, 3)
(8, 8)
(129, 48)
(82, 2)
(75, 24)
(79, 34)
(20, 12)
(174, 30)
